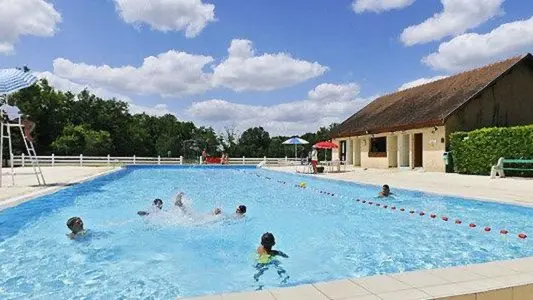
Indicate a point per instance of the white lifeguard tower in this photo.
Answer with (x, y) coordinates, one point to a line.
(12, 80)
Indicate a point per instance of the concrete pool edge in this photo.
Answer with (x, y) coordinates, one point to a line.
(502, 280)
(16, 200)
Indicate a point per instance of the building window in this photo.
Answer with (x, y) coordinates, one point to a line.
(378, 147)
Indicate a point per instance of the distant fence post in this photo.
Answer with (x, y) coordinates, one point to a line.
(81, 160)
(23, 161)
(134, 160)
(243, 160)
(265, 160)
(181, 160)
(53, 159)
(108, 160)
(159, 159)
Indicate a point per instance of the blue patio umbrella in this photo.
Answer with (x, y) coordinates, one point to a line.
(12, 80)
(295, 141)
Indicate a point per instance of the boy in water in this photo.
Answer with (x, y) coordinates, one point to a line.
(385, 192)
(158, 204)
(240, 211)
(266, 257)
(75, 224)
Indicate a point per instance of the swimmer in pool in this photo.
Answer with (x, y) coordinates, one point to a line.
(266, 257)
(385, 192)
(240, 211)
(157, 204)
(178, 202)
(75, 224)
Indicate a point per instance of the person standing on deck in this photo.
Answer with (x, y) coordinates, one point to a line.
(314, 160)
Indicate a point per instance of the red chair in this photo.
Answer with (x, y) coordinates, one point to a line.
(212, 160)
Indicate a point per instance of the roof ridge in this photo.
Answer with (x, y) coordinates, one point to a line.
(517, 57)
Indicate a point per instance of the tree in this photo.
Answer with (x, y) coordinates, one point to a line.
(254, 142)
(83, 123)
(80, 139)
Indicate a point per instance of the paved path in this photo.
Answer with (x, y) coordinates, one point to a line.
(509, 190)
(56, 178)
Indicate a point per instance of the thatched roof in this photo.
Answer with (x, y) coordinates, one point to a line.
(425, 105)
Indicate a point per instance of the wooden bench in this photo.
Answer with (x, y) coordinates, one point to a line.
(500, 168)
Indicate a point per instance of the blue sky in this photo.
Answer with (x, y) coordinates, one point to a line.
(313, 62)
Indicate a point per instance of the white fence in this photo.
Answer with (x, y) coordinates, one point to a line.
(81, 160)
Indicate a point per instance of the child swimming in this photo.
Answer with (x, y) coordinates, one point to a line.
(266, 257)
(75, 224)
(157, 204)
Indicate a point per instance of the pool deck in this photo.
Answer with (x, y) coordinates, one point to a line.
(501, 280)
(26, 187)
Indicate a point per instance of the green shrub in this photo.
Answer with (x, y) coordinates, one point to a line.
(477, 151)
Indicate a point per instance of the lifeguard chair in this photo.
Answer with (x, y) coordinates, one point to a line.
(9, 122)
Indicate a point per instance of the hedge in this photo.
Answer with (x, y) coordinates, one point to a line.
(475, 152)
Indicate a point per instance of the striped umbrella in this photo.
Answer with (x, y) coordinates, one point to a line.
(12, 80)
(295, 141)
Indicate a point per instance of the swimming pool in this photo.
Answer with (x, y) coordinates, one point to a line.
(326, 236)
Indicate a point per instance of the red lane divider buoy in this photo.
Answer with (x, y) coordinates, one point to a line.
(433, 216)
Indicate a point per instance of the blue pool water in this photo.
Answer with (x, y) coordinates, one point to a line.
(161, 257)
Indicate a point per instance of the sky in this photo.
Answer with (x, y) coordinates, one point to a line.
(289, 66)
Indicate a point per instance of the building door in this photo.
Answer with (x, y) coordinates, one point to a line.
(357, 153)
(343, 151)
(418, 149)
(404, 151)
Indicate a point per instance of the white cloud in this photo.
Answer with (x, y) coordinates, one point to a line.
(25, 17)
(377, 6)
(169, 74)
(456, 18)
(65, 85)
(419, 81)
(191, 16)
(174, 74)
(473, 50)
(244, 71)
(328, 92)
(321, 109)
